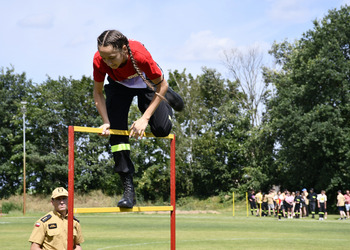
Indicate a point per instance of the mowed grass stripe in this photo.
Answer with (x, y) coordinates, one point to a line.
(200, 231)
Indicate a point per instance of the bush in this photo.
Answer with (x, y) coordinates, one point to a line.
(10, 206)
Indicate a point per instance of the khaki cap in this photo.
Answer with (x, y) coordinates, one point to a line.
(60, 191)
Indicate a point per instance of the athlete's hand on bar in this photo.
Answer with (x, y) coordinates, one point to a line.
(105, 129)
(138, 128)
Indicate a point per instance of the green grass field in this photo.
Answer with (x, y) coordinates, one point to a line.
(194, 231)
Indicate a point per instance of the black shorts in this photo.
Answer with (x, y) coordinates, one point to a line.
(287, 205)
(252, 205)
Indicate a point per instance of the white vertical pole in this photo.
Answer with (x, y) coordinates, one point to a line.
(24, 156)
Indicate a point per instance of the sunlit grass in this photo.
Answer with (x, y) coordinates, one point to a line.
(194, 231)
(201, 224)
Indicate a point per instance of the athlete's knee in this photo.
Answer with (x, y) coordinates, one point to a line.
(161, 132)
(161, 129)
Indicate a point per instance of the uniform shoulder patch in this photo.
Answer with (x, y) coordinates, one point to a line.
(46, 218)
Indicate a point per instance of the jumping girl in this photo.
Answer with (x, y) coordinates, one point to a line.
(131, 72)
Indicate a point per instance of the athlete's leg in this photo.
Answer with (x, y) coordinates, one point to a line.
(118, 103)
(160, 122)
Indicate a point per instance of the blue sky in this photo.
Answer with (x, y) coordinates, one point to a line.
(58, 38)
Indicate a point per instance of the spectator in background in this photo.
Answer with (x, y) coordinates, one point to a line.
(289, 205)
(325, 212)
(347, 203)
(340, 205)
(297, 202)
(293, 195)
(270, 202)
(251, 199)
(279, 204)
(302, 205)
(264, 206)
(276, 201)
(306, 202)
(312, 202)
(258, 199)
(322, 204)
(282, 198)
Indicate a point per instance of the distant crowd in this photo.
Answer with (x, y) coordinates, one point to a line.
(296, 204)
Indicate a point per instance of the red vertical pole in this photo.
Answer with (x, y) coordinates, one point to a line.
(172, 194)
(70, 186)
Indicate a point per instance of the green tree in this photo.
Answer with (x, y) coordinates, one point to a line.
(55, 106)
(211, 131)
(186, 127)
(211, 134)
(246, 69)
(14, 88)
(151, 157)
(310, 110)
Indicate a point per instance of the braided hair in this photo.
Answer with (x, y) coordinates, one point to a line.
(117, 40)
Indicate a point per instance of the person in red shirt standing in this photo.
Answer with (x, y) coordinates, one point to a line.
(131, 72)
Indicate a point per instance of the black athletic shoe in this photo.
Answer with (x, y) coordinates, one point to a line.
(174, 100)
(128, 200)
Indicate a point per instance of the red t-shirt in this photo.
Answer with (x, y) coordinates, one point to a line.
(347, 198)
(127, 75)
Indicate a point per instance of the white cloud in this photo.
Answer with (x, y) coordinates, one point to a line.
(202, 46)
(295, 11)
(43, 21)
(60, 36)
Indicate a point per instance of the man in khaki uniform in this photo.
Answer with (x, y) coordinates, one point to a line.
(259, 200)
(340, 205)
(51, 231)
(270, 202)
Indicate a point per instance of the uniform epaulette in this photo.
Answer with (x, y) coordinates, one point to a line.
(46, 218)
(76, 219)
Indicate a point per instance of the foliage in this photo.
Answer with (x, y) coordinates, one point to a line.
(310, 110)
(55, 106)
(6, 207)
(210, 135)
(246, 67)
(13, 89)
(302, 140)
(52, 107)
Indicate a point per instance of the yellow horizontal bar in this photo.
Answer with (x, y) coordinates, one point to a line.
(118, 209)
(115, 132)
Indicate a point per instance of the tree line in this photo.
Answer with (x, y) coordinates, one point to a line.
(209, 136)
(299, 139)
